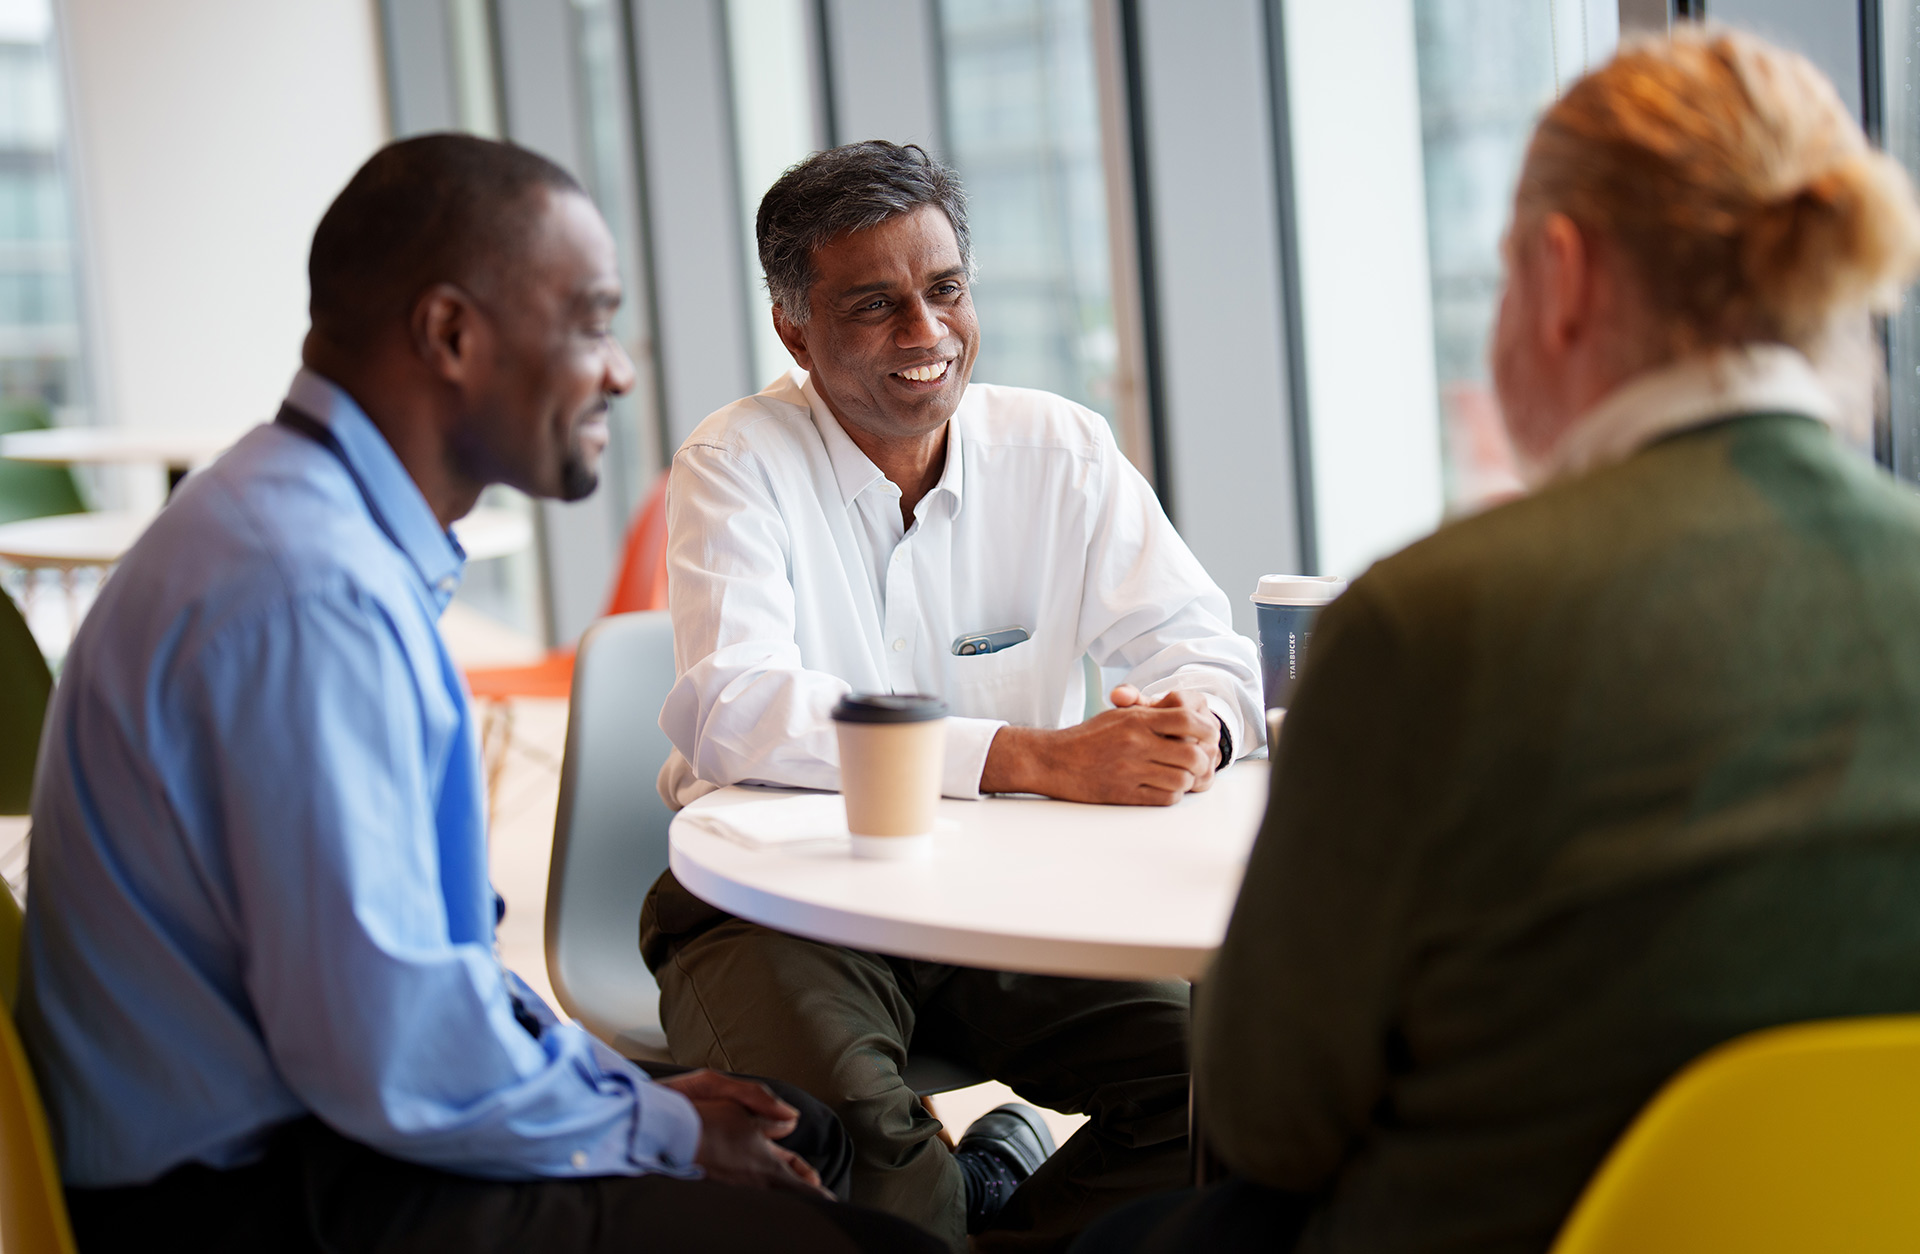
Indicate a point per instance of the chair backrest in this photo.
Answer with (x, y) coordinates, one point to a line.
(33, 1211)
(610, 833)
(28, 683)
(28, 489)
(641, 581)
(1792, 1139)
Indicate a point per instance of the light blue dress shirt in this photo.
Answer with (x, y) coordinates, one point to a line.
(258, 883)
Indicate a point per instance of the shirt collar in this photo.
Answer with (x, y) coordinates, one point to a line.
(1755, 378)
(432, 550)
(855, 472)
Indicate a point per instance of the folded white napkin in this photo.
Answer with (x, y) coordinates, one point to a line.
(782, 821)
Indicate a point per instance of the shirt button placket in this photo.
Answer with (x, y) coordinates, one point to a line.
(900, 630)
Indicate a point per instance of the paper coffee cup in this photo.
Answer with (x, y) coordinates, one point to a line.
(892, 749)
(1286, 606)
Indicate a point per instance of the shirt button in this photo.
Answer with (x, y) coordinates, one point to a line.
(447, 584)
(899, 646)
(580, 1160)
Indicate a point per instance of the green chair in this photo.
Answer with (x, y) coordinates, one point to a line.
(28, 490)
(33, 1210)
(27, 682)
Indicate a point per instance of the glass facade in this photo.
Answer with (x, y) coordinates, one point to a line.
(1023, 129)
(1487, 68)
(39, 311)
(1900, 45)
(774, 126)
(606, 151)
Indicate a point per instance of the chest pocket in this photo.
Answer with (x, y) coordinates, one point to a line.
(1004, 685)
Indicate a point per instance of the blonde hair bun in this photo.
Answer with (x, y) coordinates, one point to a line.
(1728, 171)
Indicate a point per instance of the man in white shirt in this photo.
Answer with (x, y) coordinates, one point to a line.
(839, 532)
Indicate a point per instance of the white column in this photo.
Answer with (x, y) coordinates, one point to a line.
(209, 136)
(1365, 290)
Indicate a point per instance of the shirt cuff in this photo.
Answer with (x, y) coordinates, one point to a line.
(668, 1137)
(1231, 723)
(968, 740)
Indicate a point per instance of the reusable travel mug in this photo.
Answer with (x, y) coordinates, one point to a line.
(892, 748)
(1286, 606)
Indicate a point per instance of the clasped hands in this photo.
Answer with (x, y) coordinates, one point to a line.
(740, 1121)
(1148, 753)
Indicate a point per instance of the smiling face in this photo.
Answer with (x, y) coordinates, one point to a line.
(537, 413)
(892, 337)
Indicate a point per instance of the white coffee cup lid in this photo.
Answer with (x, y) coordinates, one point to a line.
(1298, 589)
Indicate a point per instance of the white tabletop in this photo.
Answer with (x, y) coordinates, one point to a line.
(493, 532)
(97, 539)
(75, 446)
(103, 537)
(1025, 884)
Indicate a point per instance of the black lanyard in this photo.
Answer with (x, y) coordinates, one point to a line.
(313, 429)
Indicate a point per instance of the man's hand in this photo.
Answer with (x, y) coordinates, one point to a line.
(739, 1123)
(1138, 753)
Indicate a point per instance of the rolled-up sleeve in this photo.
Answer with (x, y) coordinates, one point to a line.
(338, 829)
(1152, 609)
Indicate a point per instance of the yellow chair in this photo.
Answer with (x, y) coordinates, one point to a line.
(33, 1211)
(1802, 1138)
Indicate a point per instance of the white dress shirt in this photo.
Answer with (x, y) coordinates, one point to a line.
(793, 581)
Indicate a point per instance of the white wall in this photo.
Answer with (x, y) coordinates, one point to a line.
(1353, 93)
(209, 137)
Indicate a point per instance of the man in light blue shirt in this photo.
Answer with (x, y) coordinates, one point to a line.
(260, 989)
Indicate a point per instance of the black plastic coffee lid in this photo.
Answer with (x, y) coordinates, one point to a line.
(888, 707)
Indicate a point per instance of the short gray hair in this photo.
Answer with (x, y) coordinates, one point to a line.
(854, 187)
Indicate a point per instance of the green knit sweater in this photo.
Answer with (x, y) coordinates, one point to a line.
(1570, 792)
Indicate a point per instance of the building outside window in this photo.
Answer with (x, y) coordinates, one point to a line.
(40, 357)
(1900, 46)
(607, 157)
(1023, 129)
(775, 126)
(1487, 70)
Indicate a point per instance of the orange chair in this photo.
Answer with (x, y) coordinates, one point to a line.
(640, 584)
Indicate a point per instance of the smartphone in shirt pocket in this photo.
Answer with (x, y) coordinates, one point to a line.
(993, 675)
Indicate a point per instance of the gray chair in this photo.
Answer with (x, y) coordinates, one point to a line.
(610, 844)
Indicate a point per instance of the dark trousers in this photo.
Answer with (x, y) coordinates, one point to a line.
(317, 1191)
(839, 1023)
(1232, 1217)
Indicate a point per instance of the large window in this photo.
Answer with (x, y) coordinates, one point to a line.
(39, 319)
(1901, 122)
(607, 168)
(774, 126)
(1023, 129)
(1487, 69)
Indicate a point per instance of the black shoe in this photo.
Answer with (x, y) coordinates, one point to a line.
(999, 1151)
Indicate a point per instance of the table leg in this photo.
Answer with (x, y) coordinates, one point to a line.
(73, 601)
(29, 589)
(1204, 1165)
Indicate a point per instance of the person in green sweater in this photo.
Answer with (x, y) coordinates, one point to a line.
(1575, 789)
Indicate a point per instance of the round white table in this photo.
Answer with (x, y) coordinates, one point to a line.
(103, 537)
(66, 541)
(177, 451)
(491, 531)
(1023, 884)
